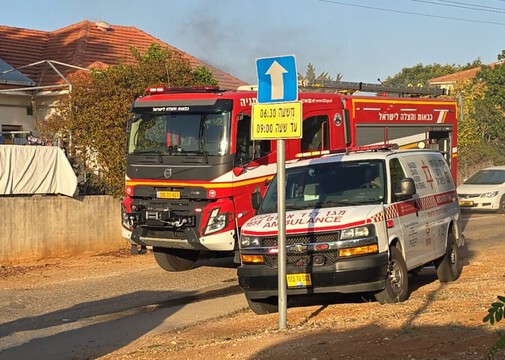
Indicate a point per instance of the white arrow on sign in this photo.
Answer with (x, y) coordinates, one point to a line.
(276, 72)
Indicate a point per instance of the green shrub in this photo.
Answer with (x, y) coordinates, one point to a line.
(495, 314)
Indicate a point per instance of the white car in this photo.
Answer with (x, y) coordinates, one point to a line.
(484, 190)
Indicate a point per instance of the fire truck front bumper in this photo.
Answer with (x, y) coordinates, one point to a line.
(187, 239)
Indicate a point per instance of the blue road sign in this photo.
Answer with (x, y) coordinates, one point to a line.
(277, 79)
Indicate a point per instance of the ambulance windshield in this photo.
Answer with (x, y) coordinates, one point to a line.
(329, 185)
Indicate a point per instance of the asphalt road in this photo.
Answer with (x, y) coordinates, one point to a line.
(89, 317)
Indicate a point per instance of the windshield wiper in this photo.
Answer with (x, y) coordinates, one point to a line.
(338, 203)
(205, 153)
(295, 207)
(193, 152)
(269, 210)
(201, 144)
(149, 152)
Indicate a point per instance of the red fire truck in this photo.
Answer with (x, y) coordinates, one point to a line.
(191, 165)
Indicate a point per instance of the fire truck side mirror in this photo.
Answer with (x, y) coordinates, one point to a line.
(347, 128)
(256, 150)
(238, 170)
(256, 200)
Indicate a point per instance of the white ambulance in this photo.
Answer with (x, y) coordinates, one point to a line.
(355, 222)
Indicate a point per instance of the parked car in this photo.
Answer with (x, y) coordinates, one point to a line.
(484, 190)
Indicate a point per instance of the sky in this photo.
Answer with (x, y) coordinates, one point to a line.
(363, 40)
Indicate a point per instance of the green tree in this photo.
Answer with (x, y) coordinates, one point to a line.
(310, 75)
(92, 118)
(472, 149)
(490, 108)
(420, 74)
(495, 314)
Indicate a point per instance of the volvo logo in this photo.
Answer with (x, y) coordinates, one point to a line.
(167, 173)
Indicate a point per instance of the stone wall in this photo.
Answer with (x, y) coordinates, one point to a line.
(37, 227)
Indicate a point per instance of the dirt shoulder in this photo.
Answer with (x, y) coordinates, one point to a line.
(439, 321)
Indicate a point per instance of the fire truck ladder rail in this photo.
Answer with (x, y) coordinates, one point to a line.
(352, 87)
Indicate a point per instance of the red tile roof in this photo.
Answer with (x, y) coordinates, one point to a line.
(85, 44)
(460, 75)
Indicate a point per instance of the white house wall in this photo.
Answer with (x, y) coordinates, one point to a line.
(45, 106)
(14, 111)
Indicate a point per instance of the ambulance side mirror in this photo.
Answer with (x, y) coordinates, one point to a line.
(407, 189)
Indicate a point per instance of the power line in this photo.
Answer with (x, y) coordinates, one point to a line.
(412, 13)
(473, 5)
(462, 5)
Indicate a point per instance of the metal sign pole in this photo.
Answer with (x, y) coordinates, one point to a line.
(281, 224)
(278, 84)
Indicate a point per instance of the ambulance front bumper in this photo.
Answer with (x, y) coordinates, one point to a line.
(362, 274)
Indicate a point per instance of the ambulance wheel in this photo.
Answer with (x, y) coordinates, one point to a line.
(501, 205)
(263, 306)
(449, 266)
(397, 282)
(175, 259)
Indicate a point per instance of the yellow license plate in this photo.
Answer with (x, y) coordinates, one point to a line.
(298, 280)
(168, 194)
(466, 203)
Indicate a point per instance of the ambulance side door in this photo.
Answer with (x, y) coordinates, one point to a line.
(407, 213)
(442, 203)
(429, 226)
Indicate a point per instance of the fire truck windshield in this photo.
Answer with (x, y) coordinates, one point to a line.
(180, 134)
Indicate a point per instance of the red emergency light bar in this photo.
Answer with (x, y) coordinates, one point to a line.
(171, 90)
(373, 147)
(312, 154)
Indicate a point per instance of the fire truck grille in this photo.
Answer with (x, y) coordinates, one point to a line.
(166, 234)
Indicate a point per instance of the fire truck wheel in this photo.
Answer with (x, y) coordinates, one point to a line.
(175, 259)
(449, 266)
(263, 306)
(397, 282)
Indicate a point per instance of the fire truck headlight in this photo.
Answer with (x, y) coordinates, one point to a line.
(125, 221)
(216, 222)
(249, 241)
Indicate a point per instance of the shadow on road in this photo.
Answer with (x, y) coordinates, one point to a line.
(93, 329)
(216, 260)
